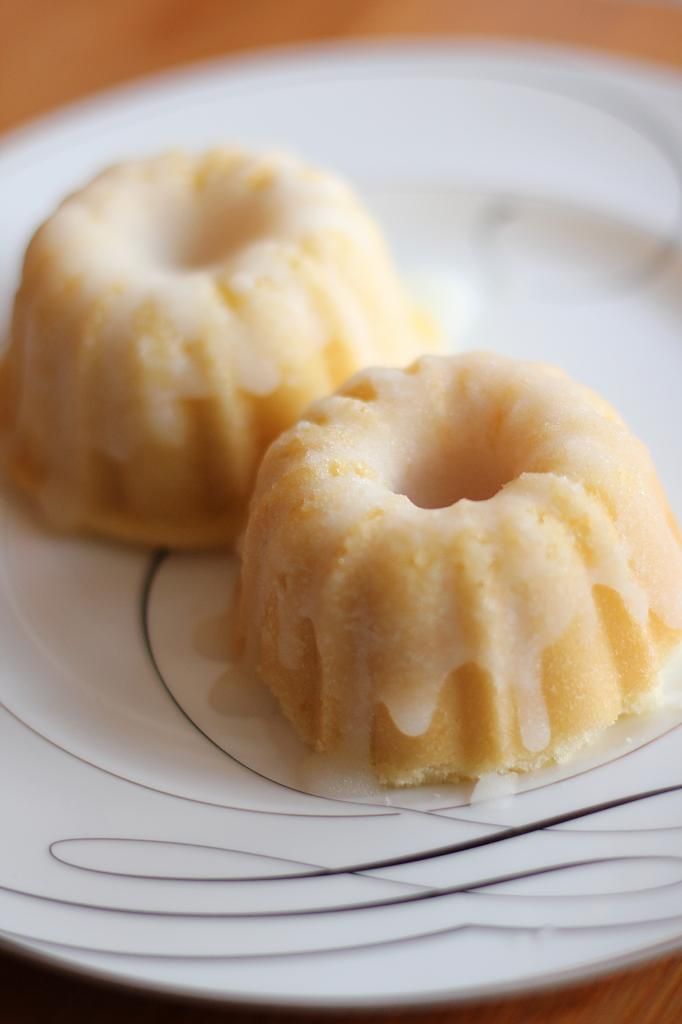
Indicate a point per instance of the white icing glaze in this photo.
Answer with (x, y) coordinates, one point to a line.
(494, 786)
(131, 233)
(568, 501)
(222, 277)
(671, 681)
(211, 638)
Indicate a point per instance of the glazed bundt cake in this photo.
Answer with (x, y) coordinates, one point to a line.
(173, 317)
(463, 567)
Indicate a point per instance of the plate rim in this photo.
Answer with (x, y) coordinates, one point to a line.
(571, 977)
(277, 57)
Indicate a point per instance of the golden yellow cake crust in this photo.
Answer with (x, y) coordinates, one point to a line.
(174, 316)
(464, 567)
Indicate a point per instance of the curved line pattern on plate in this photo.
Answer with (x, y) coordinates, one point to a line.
(620, 831)
(380, 813)
(427, 891)
(156, 561)
(179, 796)
(502, 211)
(511, 929)
(470, 888)
(429, 894)
(627, 110)
(315, 869)
(312, 870)
(520, 830)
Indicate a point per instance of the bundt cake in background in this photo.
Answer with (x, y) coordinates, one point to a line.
(463, 567)
(173, 317)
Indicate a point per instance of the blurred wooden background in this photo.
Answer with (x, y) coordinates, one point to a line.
(55, 51)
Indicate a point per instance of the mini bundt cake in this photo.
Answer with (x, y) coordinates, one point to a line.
(463, 567)
(173, 317)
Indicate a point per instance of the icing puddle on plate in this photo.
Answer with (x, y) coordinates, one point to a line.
(189, 627)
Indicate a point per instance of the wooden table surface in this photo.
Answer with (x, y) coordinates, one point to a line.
(54, 51)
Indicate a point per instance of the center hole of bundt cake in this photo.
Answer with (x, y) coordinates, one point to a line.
(441, 478)
(216, 231)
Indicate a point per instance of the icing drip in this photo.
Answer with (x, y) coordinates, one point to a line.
(212, 637)
(462, 513)
(494, 786)
(178, 313)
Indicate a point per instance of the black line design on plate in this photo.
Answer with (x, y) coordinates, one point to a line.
(623, 107)
(595, 831)
(315, 870)
(157, 560)
(617, 831)
(180, 796)
(318, 871)
(383, 813)
(519, 830)
(504, 210)
(472, 888)
(491, 839)
(511, 929)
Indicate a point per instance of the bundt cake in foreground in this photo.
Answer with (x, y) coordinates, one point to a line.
(173, 317)
(464, 567)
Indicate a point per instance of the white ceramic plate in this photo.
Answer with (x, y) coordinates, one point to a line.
(159, 829)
